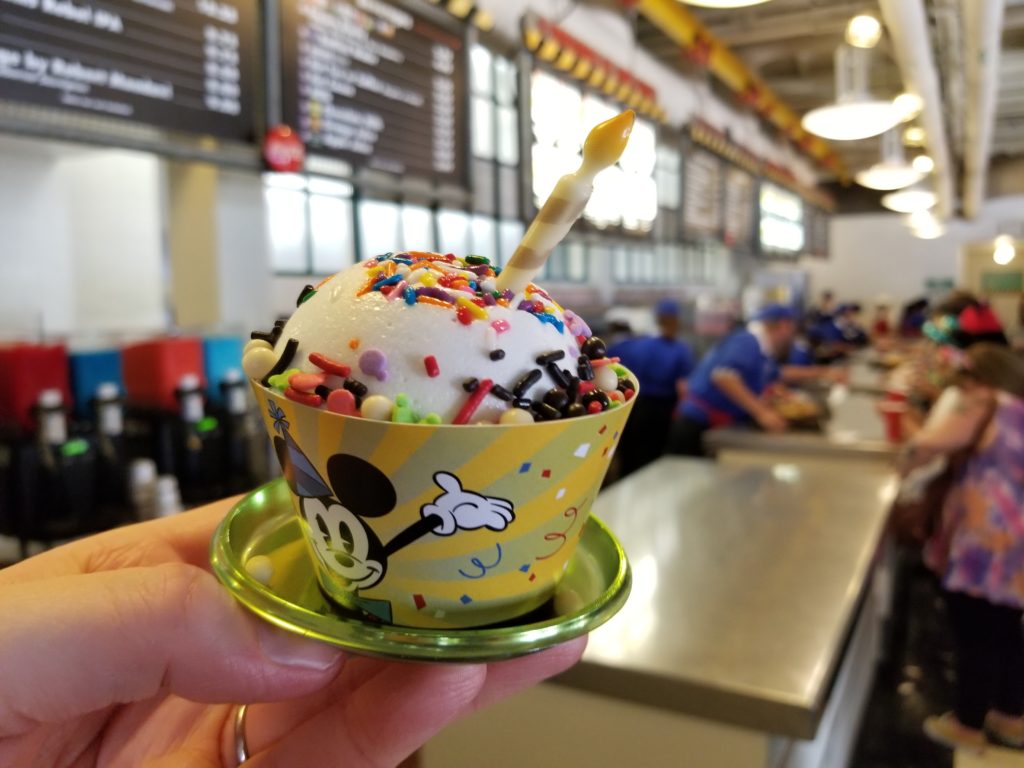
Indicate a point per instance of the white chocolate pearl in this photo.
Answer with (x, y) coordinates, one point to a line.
(256, 344)
(258, 361)
(516, 416)
(605, 378)
(260, 568)
(377, 407)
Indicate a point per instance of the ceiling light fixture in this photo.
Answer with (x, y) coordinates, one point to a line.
(892, 171)
(923, 164)
(1005, 250)
(863, 31)
(908, 105)
(855, 113)
(724, 3)
(914, 136)
(925, 225)
(911, 199)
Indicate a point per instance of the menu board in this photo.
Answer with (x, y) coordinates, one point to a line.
(702, 196)
(782, 221)
(375, 85)
(738, 227)
(816, 228)
(184, 65)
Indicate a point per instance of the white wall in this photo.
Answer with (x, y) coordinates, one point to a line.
(34, 243)
(82, 252)
(875, 255)
(243, 252)
(114, 214)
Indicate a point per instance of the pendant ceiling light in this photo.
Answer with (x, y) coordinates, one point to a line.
(914, 136)
(724, 3)
(925, 225)
(864, 30)
(856, 114)
(910, 200)
(1005, 250)
(892, 171)
(923, 163)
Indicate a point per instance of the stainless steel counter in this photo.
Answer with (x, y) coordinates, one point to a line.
(854, 430)
(746, 583)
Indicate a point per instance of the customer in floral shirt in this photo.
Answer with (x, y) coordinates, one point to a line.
(978, 548)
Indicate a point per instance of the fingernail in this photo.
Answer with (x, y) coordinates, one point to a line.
(293, 651)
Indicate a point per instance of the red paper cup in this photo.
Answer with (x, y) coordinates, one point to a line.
(892, 413)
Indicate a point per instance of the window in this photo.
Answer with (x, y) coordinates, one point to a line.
(510, 233)
(310, 224)
(667, 176)
(417, 228)
(782, 220)
(562, 115)
(379, 230)
(453, 232)
(495, 128)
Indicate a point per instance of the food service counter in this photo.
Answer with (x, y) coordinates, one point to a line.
(853, 430)
(749, 638)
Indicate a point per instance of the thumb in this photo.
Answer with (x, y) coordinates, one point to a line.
(76, 644)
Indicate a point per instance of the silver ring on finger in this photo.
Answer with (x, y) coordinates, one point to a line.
(241, 747)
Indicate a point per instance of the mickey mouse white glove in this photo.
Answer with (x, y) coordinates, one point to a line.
(465, 510)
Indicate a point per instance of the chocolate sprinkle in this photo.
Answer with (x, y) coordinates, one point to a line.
(557, 375)
(501, 393)
(498, 354)
(323, 390)
(551, 357)
(546, 412)
(594, 348)
(290, 348)
(356, 387)
(574, 390)
(556, 398)
(470, 385)
(304, 294)
(575, 409)
(527, 381)
(584, 368)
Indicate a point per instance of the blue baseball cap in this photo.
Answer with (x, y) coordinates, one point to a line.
(667, 308)
(773, 312)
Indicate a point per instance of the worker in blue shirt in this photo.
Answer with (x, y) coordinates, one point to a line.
(727, 385)
(661, 364)
(841, 332)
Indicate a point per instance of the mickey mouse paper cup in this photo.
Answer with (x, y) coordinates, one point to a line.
(439, 525)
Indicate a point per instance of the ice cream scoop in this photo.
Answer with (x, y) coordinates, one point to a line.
(426, 337)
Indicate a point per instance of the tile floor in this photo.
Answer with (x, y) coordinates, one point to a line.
(916, 681)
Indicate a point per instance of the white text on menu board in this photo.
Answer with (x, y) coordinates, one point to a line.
(222, 90)
(337, 36)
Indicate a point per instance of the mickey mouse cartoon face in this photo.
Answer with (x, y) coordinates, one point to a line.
(337, 514)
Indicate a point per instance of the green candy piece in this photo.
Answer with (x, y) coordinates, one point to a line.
(619, 370)
(402, 413)
(613, 404)
(431, 418)
(280, 381)
(475, 259)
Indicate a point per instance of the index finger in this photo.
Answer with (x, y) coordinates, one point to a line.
(183, 538)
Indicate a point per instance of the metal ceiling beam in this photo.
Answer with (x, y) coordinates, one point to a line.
(908, 26)
(683, 28)
(748, 29)
(983, 23)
